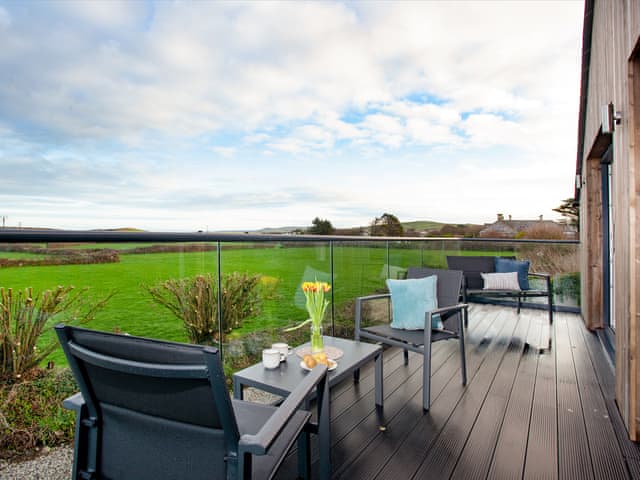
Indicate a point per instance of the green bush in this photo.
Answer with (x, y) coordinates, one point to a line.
(195, 301)
(568, 285)
(240, 299)
(25, 315)
(31, 412)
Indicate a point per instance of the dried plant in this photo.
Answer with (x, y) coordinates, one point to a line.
(543, 231)
(195, 302)
(25, 315)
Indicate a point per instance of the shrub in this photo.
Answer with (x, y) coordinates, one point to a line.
(542, 231)
(568, 285)
(63, 257)
(25, 315)
(31, 412)
(195, 301)
(552, 259)
(269, 287)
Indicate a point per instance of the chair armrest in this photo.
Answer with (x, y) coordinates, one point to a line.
(359, 302)
(373, 297)
(539, 275)
(544, 276)
(437, 311)
(74, 402)
(450, 308)
(259, 443)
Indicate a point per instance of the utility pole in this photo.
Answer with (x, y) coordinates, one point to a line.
(4, 220)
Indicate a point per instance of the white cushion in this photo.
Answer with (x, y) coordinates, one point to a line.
(501, 281)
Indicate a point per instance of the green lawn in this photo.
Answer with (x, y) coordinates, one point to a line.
(22, 256)
(358, 270)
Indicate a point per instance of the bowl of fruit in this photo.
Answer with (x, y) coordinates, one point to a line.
(311, 360)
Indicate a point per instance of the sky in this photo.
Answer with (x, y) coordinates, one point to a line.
(186, 116)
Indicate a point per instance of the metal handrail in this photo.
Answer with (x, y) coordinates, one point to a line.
(9, 235)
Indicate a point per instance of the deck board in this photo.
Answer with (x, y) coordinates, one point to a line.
(539, 403)
(574, 459)
(405, 424)
(442, 457)
(601, 431)
(511, 447)
(475, 460)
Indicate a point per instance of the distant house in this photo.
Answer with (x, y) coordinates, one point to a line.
(607, 190)
(510, 228)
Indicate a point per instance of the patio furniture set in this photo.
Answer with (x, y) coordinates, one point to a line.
(150, 409)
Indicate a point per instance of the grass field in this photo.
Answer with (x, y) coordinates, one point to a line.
(21, 256)
(358, 270)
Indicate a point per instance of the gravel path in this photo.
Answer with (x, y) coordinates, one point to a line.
(57, 463)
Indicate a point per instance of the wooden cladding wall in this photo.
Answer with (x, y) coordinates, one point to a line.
(614, 77)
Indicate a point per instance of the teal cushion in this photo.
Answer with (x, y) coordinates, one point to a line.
(506, 265)
(411, 300)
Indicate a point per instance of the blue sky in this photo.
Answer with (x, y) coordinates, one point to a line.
(183, 116)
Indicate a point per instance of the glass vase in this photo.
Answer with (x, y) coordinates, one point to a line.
(316, 339)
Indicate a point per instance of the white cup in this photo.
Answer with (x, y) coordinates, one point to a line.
(283, 348)
(270, 358)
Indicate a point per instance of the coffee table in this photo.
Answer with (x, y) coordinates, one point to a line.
(284, 379)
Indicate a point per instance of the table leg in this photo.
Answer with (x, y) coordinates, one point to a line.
(379, 388)
(237, 389)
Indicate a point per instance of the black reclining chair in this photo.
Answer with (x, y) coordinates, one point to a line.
(150, 409)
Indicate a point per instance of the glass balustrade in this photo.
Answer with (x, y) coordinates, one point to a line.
(243, 292)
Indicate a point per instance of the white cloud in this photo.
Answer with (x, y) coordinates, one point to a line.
(110, 14)
(199, 93)
(5, 18)
(487, 129)
(225, 152)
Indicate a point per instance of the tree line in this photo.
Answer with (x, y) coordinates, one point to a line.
(388, 225)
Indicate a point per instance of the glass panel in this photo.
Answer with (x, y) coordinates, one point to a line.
(119, 274)
(261, 292)
(280, 268)
(559, 259)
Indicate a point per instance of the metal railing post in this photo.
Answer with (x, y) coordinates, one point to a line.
(220, 329)
(333, 289)
(388, 262)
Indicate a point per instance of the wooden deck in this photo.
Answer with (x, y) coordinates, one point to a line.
(539, 403)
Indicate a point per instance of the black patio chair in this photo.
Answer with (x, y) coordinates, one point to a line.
(419, 341)
(150, 409)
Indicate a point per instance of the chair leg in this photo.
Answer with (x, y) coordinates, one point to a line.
(406, 357)
(465, 313)
(462, 353)
(426, 377)
(426, 363)
(304, 456)
(463, 359)
(519, 303)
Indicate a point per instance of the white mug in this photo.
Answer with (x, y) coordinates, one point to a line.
(283, 348)
(270, 358)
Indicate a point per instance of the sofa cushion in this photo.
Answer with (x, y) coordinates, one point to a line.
(501, 281)
(504, 265)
